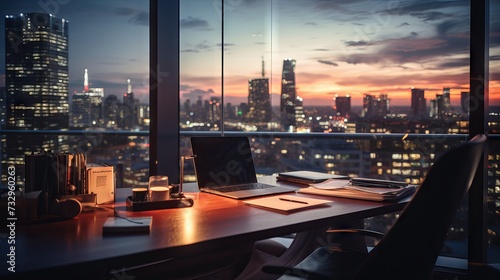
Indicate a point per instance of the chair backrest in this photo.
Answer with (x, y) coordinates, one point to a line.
(410, 248)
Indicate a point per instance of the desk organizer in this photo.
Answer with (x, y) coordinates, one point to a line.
(175, 202)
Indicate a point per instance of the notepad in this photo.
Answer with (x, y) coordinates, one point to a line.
(127, 225)
(286, 203)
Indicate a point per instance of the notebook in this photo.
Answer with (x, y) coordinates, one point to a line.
(224, 166)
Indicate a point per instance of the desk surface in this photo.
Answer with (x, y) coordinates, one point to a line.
(213, 222)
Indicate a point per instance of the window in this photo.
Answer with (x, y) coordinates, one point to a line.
(382, 86)
(76, 80)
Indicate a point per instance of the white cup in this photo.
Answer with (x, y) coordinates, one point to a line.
(157, 181)
(159, 193)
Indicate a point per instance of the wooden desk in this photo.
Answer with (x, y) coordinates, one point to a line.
(77, 246)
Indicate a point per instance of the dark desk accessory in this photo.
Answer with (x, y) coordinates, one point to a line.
(175, 201)
(177, 198)
(181, 176)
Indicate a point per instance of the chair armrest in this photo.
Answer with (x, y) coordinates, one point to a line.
(363, 232)
(292, 271)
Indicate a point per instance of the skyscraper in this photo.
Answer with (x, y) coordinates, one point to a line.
(300, 117)
(288, 94)
(342, 105)
(214, 109)
(375, 106)
(128, 115)
(36, 79)
(444, 103)
(111, 108)
(86, 106)
(36, 72)
(259, 102)
(465, 102)
(418, 106)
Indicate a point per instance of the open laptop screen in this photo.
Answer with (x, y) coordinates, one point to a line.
(222, 161)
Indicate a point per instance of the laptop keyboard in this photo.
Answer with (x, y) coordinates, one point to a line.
(243, 187)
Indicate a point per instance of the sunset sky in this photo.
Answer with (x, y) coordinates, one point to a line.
(340, 46)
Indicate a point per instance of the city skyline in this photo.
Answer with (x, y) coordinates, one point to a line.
(341, 47)
(110, 39)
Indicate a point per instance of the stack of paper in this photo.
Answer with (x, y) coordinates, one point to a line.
(286, 203)
(343, 188)
(306, 177)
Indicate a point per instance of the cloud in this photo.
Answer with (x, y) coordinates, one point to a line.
(430, 16)
(453, 63)
(328, 62)
(140, 18)
(135, 16)
(227, 45)
(123, 11)
(357, 43)
(449, 38)
(195, 93)
(495, 76)
(203, 46)
(194, 23)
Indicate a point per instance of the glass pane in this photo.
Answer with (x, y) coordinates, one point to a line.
(76, 80)
(200, 65)
(362, 88)
(493, 219)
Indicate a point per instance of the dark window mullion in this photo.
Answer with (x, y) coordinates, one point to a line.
(479, 84)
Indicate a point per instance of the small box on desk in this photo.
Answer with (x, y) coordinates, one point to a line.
(100, 180)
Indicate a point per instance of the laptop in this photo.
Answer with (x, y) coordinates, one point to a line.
(224, 166)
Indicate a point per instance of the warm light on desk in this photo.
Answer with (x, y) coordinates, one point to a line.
(189, 230)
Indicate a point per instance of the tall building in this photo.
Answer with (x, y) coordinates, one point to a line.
(36, 79)
(300, 116)
(36, 69)
(86, 106)
(342, 105)
(128, 115)
(288, 94)
(465, 102)
(382, 104)
(2, 107)
(111, 108)
(259, 101)
(433, 112)
(214, 109)
(375, 106)
(418, 106)
(444, 103)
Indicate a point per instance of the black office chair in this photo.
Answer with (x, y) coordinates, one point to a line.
(410, 248)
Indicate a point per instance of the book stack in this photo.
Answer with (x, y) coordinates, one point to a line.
(362, 188)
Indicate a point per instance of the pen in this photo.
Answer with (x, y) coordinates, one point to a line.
(291, 200)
